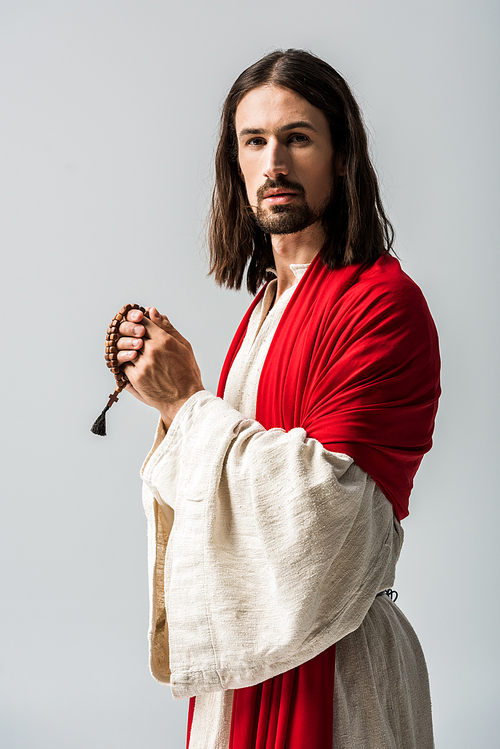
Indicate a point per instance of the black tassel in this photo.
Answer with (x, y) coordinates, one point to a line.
(99, 425)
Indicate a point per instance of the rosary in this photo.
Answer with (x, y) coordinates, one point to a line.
(110, 354)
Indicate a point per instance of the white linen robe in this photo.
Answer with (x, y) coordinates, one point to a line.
(278, 550)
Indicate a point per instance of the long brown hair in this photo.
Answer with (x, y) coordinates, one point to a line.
(355, 223)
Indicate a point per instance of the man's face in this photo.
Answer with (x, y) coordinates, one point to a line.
(285, 158)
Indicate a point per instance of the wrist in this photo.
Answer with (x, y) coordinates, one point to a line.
(169, 411)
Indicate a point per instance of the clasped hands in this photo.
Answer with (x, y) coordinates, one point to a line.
(158, 362)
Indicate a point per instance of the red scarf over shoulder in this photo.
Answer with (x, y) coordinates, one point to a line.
(355, 363)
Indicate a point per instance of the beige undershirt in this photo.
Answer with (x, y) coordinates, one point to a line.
(243, 378)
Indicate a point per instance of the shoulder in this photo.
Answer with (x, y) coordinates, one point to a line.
(381, 307)
(385, 289)
(385, 277)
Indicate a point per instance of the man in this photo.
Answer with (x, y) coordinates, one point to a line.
(274, 509)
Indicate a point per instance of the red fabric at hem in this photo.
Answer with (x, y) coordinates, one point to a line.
(290, 711)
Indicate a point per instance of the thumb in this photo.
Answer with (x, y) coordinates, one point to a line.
(164, 323)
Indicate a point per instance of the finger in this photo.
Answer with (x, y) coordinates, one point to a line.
(131, 330)
(126, 357)
(135, 315)
(125, 343)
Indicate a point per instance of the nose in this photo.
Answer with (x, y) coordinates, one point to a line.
(276, 160)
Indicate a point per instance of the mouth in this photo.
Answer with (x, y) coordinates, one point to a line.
(278, 191)
(277, 196)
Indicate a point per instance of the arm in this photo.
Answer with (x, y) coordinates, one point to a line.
(277, 550)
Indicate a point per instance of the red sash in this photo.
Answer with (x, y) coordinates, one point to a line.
(354, 362)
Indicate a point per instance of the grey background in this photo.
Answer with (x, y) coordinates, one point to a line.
(109, 111)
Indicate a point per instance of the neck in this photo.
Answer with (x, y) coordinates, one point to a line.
(295, 249)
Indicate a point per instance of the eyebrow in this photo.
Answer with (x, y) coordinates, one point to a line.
(302, 124)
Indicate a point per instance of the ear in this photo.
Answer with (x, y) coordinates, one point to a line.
(340, 165)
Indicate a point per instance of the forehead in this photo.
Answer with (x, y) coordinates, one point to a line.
(271, 108)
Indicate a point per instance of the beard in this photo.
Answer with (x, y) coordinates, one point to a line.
(285, 219)
(288, 218)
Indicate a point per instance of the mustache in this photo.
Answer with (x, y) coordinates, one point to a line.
(281, 182)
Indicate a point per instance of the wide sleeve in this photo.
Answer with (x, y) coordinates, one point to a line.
(265, 548)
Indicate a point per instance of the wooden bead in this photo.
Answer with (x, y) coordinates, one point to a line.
(110, 348)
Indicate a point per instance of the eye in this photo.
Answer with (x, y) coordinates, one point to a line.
(255, 141)
(298, 138)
